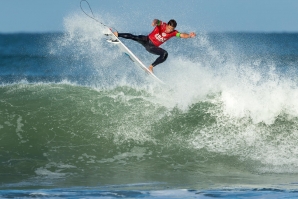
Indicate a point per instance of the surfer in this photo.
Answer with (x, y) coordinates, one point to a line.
(161, 33)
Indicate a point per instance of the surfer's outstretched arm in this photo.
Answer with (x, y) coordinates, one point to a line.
(186, 35)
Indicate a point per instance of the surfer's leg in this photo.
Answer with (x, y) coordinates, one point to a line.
(139, 38)
(163, 55)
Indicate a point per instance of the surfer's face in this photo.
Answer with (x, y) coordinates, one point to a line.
(169, 29)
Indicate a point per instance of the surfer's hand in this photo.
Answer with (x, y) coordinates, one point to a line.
(192, 34)
(154, 22)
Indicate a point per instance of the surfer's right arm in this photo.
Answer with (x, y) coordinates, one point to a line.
(156, 22)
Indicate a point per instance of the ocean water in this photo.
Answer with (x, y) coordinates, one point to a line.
(79, 119)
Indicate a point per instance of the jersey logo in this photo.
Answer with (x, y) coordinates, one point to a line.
(160, 38)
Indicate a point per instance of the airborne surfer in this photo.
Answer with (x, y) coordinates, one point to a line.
(161, 33)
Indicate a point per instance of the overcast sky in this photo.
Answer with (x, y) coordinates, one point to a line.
(197, 15)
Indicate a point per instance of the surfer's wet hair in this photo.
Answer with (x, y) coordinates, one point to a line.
(172, 23)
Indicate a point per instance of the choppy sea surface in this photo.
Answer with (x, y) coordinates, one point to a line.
(79, 119)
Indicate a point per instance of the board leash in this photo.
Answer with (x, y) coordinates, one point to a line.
(93, 17)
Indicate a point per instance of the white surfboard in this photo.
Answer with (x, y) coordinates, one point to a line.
(113, 39)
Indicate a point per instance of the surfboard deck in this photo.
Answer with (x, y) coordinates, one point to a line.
(113, 39)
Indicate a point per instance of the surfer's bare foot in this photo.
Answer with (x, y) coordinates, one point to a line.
(116, 33)
(150, 68)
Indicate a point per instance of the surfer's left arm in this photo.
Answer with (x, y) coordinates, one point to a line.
(186, 35)
(156, 22)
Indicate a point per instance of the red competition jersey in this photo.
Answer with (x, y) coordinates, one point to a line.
(158, 36)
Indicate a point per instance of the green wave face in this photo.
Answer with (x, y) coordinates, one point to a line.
(60, 135)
